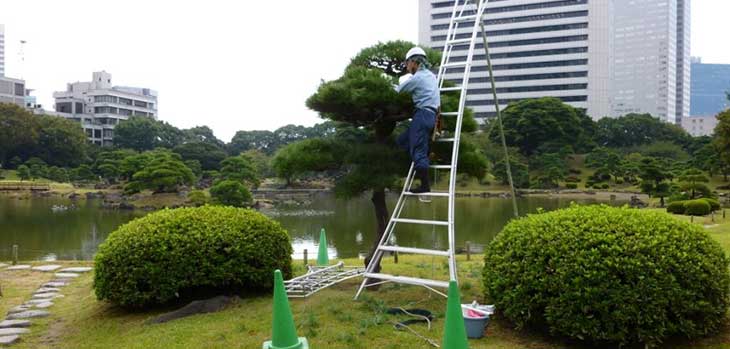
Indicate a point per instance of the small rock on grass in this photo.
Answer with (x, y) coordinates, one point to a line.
(76, 270)
(14, 323)
(67, 275)
(50, 267)
(9, 339)
(28, 314)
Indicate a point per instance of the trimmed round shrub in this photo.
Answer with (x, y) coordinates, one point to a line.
(676, 207)
(714, 204)
(571, 185)
(619, 180)
(230, 193)
(697, 207)
(172, 255)
(605, 186)
(608, 275)
(197, 198)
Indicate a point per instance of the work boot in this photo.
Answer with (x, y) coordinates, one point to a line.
(425, 187)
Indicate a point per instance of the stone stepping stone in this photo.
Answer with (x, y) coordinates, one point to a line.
(46, 295)
(46, 268)
(67, 275)
(9, 339)
(19, 309)
(14, 323)
(37, 301)
(28, 314)
(54, 284)
(47, 289)
(2, 265)
(19, 267)
(76, 270)
(44, 305)
(13, 331)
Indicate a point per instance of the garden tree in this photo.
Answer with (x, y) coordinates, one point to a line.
(692, 180)
(202, 134)
(364, 98)
(138, 132)
(308, 155)
(637, 129)
(209, 155)
(23, 172)
(629, 167)
(14, 162)
(195, 166)
(57, 174)
(230, 193)
(135, 163)
(252, 140)
(82, 173)
(164, 173)
(108, 163)
(552, 169)
(705, 158)
(545, 123)
(18, 130)
(654, 179)
(168, 136)
(38, 167)
(239, 168)
(722, 138)
(61, 142)
(260, 161)
(520, 172)
(661, 150)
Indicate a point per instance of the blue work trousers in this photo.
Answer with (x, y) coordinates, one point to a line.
(417, 137)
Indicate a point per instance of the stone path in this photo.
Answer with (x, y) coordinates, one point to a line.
(19, 319)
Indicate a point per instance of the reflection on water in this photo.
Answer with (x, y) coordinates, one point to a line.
(76, 233)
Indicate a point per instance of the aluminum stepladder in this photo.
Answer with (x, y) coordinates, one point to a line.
(464, 12)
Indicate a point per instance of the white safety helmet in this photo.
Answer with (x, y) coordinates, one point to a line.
(416, 51)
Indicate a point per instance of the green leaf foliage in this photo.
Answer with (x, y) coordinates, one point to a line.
(316, 154)
(163, 172)
(208, 155)
(697, 207)
(676, 207)
(230, 193)
(240, 168)
(608, 275)
(173, 255)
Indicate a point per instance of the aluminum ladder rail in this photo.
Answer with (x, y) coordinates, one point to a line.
(464, 12)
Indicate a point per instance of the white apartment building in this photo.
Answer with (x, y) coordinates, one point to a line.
(12, 91)
(608, 57)
(2, 50)
(651, 58)
(699, 125)
(99, 106)
(539, 48)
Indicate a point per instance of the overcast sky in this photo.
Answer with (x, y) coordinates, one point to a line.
(231, 65)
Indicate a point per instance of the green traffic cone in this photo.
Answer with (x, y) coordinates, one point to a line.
(454, 330)
(322, 257)
(284, 333)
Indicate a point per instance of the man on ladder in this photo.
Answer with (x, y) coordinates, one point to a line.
(423, 87)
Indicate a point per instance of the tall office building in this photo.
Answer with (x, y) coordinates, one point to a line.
(607, 57)
(710, 85)
(651, 58)
(99, 106)
(2, 50)
(538, 48)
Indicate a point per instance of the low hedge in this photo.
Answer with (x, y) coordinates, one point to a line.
(176, 254)
(571, 185)
(676, 207)
(608, 275)
(698, 207)
(714, 204)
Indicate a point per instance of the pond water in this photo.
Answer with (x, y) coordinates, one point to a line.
(44, 234)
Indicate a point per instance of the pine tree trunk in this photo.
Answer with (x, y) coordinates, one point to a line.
(381, 216)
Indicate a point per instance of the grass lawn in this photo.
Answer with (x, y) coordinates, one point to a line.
(329, 319)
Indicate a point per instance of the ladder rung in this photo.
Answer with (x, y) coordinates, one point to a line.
(408, 280)
(444, 140)
(448, 89)
(415, 250)
(441, 167)
(420, 221)
(455, 64)
(441, 194)
(465, 18)
(459, 41)
(450, 113)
